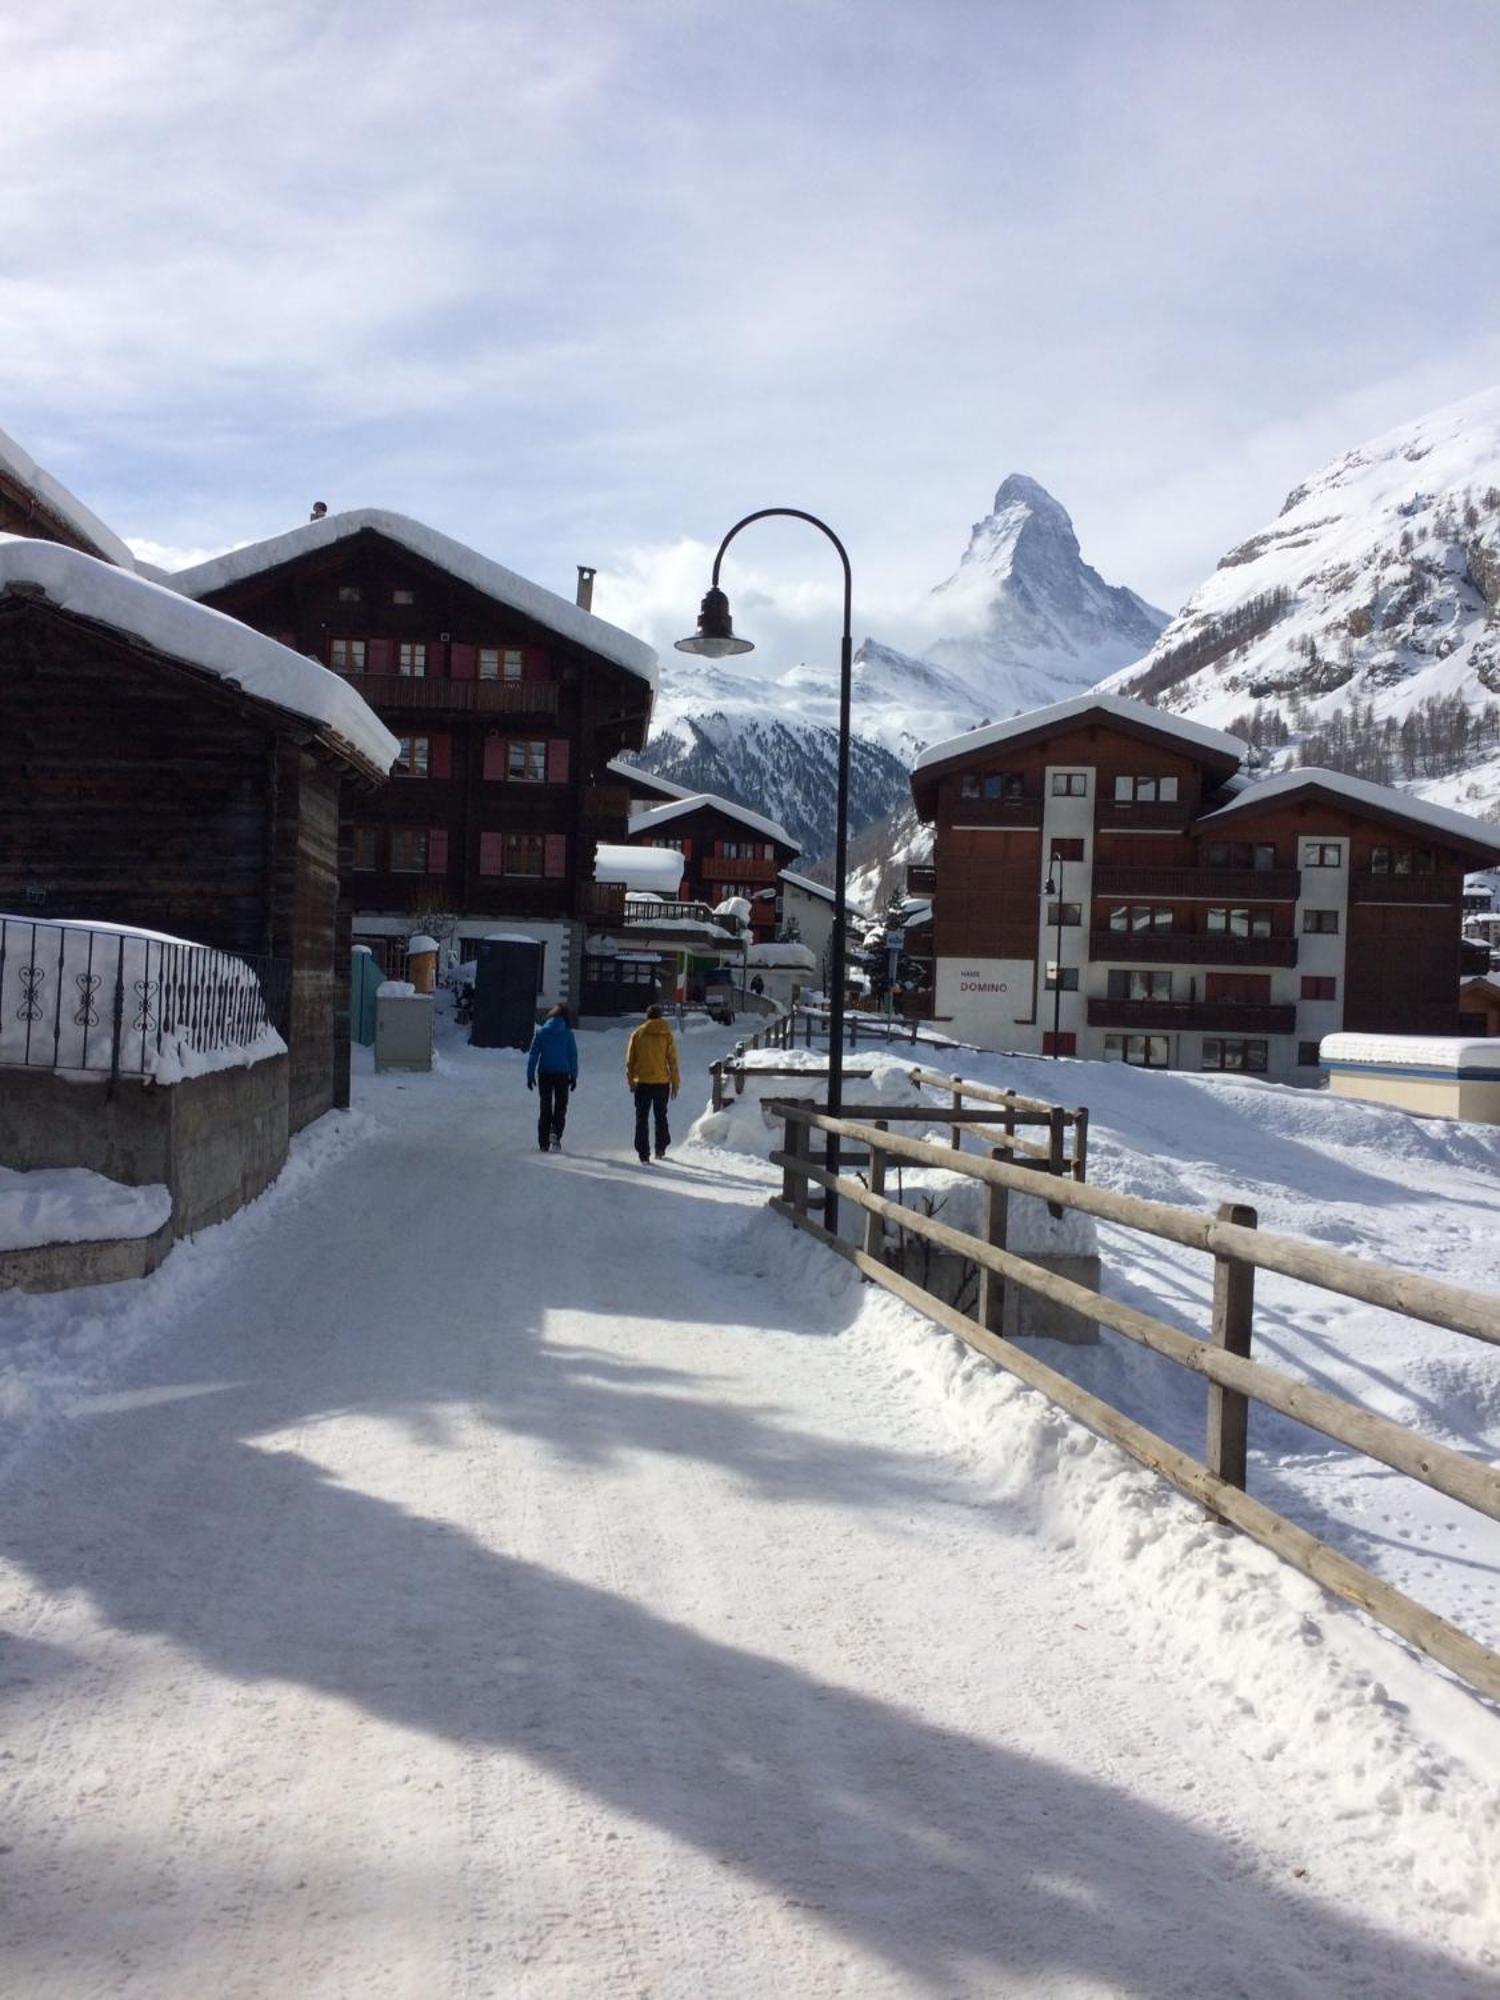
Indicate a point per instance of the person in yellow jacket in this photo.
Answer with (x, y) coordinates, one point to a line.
(653, 1076)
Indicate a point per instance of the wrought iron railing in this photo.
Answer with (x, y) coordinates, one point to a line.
(104, 1001)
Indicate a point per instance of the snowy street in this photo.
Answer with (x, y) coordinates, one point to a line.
(477, 1573)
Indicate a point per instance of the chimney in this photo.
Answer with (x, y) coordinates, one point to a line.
(585, 588)
(320, 508)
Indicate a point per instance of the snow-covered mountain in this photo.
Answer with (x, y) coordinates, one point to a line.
(1022, 621)
(1363, 623)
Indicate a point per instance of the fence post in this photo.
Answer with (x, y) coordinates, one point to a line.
(996, 1229)
(874, 1226)
(793, 1180)
(1081, 1143)
(738, 1061)
(853, 1029)
(1227, 1450)
(1057, 1126)
(716, 1072)
(1009, 1126)
(955, 1136)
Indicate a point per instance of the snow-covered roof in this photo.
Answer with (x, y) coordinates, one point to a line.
(790, 957)
(651, 817)
(633, 774)
(1386, 800)
(1441, 1052)
(1038, 720)
(568, 620)
(656, 869)
(823, 891)
(175, 626)
(54, 497)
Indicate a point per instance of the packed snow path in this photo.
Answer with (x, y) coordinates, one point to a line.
(491, 1578)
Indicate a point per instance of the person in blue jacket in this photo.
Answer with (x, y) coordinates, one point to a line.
(552, 1061)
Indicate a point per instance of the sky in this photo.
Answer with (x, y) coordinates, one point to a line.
(587, 280)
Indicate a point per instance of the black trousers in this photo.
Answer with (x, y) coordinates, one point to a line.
(552, 1106)
(651, 1100)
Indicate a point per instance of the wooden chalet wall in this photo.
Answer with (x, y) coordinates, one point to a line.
(138, 792)
(709, 876)
(464, 810)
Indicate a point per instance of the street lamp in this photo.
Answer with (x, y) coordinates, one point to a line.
(1054, 888)
(714, 640)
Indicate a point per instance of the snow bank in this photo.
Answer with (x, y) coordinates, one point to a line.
(176, 627)
(1444, 1052)
(72, 1205)
(656, 870)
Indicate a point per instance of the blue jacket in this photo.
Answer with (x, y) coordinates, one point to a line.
(553, 1050)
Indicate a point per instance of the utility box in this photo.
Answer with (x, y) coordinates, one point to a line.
(507, 980)
(403, 1027)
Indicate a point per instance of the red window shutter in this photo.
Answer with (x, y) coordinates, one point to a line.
(440, 756)
(437, 850)
(558, 748)
(463, 662)
(437, 660)
(687, 850)
(379, 656)
(494, 756)
(492, 854)
(555, 860)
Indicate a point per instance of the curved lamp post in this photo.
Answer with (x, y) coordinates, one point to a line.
(715, 640)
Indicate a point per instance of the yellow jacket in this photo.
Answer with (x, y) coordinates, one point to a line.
(652, 1056)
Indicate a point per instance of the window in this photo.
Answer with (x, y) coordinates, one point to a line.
(524, 853)
(1141, 1051)
(1221, 1052)
(1140, 917)
(1003, 785)
(408, 850)
(968, 785)
(1322, 854)
(1067, 850)
(1146, 791)
(415, 760)
(1424, 861)
(403, 597)
(1263, 857)
(1323, 922)
(661, 840)
(411, 660)
(346, 656)
(1307, 1055)
(1065, 1044)
(1134, 985)
(526, 759)
(350, 593)
(500, 663)
(1064, 913)
(1316, 987)
(367, 847)
(1070, 784)
(1239, 923)
(1067, 982)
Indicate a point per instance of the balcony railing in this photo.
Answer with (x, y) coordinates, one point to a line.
(721, 868)
(1365, 886)
(1026, 812)
(1189, 948)
(1120, 815)
(468, 697)
(604, 901)
(1206, 885)
(921, 878)
(1213, 1017)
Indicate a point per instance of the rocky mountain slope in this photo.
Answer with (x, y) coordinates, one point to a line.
(1022, 621)
(1361, 627)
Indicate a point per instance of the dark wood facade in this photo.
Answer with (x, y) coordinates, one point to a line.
(1189, 914)
(138, 790)
(723, 855)
(503, 792)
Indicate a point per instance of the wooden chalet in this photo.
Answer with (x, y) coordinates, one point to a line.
(509, 703)
(1194, 919)
(727, 851)
(34, 504)
(162, 768)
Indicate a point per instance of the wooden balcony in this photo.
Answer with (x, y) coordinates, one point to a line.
(605, 802)
(719, 868)
(603, 902)
(1023, 812)
(400, 691)
(1201, 885)
(921, 878)
(1212, 1017)
(1123, 816)
(1366, 886)
(1188, 948)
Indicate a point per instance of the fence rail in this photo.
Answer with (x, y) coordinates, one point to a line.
(1239, 1249)
(97, 1000)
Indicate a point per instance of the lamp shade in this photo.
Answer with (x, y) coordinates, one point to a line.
(714, 637)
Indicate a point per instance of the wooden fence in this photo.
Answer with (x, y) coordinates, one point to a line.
(1238, 1249)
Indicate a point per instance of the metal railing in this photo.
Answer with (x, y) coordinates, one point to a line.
(1238, 1248)
(99, 1000)
(1189, 948)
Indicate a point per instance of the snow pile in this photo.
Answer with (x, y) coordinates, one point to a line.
(491, 579)
(186, 1010)
(395, 989)
(654, 871)
(73, 1205)
(1445, 1052)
